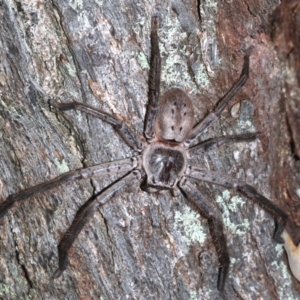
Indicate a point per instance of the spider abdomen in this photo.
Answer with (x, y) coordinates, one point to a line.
(164, 165)
(175, 116)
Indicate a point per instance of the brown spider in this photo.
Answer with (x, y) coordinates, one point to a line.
(162, 162)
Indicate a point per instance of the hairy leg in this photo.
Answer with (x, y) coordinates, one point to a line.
(122, 129)
(215, 225)
(246, 189)
(154, 82)
(218, 141)
(214, 115)
(127, 164)
(85, 213)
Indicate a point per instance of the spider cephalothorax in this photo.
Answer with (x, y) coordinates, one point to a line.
(164, 164)
(162, 161)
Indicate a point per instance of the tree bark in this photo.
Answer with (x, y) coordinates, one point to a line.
(139, 245)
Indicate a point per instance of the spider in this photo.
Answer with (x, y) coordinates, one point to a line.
(162, 162)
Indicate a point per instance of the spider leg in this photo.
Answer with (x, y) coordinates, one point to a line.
(154, 82)
(122, 129)
(280, 216)
(85, 213)
(214, 115)
(218, 141)
(206, 209)
(98, 170)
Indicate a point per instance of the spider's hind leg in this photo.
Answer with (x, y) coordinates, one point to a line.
(126, 164)
(280, 216)
(215, 225)
(86, 212)
(213, 177)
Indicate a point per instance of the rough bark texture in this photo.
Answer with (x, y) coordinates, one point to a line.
(285, 34)
(142, 246)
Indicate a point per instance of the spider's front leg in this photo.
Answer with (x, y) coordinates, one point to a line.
(218, 141)
(121, 128)
(154, 82)
(213, 177)
(214, 115)
(215, 225)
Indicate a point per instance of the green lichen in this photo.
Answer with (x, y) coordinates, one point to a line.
(189, 222)
(230, 204)
(61, 165)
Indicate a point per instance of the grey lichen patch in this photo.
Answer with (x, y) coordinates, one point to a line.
(285, 286)
(99, 2)
(61, 165)
(193, 295)
(175, 70)
(245, 120)
(45, 45)
(209, 45)
(245, 125)
(3, 103)
(230, 204)
(189, 222)
(70, 68)
(279, 250)
(84, 22)
(210, 4)
(76, 4)
(298, 192)
(1, 186)
(143, 62)
(73, 146)
(7, 292)
(137, 27)
(281, 267)
(201, 76)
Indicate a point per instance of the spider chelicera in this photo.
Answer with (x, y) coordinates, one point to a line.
(162, 162)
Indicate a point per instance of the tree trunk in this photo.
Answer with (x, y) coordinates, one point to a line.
(139, 245)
